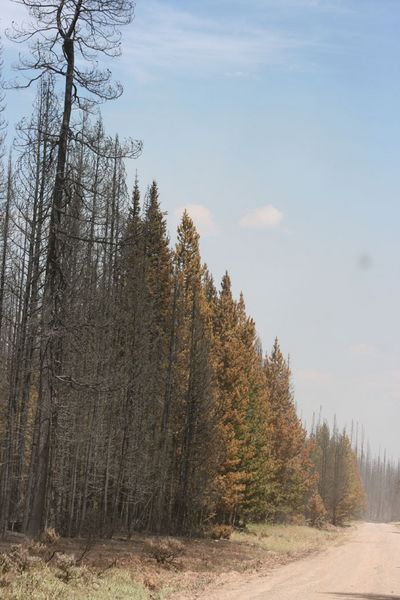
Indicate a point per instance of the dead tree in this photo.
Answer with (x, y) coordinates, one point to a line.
(65, 35)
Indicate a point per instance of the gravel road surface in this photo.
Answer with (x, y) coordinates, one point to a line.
(365, 567)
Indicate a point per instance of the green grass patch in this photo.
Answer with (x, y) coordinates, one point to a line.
(285, 539)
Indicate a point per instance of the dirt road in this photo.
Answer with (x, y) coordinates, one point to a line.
(365, 567)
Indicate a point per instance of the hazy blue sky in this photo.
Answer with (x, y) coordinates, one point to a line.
(277, 123)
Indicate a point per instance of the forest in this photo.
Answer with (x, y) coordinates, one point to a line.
(135, 394)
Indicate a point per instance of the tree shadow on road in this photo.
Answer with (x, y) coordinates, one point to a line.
(352, 596)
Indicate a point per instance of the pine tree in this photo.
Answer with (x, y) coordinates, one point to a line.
(156, 319)
(292, 473)
(351, 502)
(194, 437)
(257, 461)
(339, 483)
(232, 395)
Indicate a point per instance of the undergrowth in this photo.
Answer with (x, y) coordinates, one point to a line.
(25, 574)
(41, 571)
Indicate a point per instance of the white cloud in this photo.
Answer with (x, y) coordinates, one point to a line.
(201, 216)
(266, 217)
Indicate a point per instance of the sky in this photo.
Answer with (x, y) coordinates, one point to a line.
(276, 124)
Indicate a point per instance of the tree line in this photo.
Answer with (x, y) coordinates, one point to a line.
(167, 415)
(381, 478)
(134, 392)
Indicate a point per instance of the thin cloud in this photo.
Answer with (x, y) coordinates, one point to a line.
(167, 38)
(201, 216)
(312, 376)
(11, 11)
(236, 74)
(325, 6)
(266, 217)
(363, 349)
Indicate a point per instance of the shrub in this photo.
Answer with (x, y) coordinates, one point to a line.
(298, 520)
(317, 513)
(16, 559)
(49, 537)
(219, 532)
(165, 551)
(37, 549)
(67, 569)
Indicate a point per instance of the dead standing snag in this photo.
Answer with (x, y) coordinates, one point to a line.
(66, 38)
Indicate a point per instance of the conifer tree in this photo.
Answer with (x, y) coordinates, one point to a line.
(194, 401)
(156, 318)
(292, 473)
(339, 482)
(257, 460)
(350, 501)
(232, 399)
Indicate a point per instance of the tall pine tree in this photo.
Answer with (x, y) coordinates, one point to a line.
(292, 473)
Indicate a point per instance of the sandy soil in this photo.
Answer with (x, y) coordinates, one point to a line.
(365, 567)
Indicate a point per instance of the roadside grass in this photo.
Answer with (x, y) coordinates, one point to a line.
(43, 583)
(134, 569)
(34, 570)
(286, 539)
